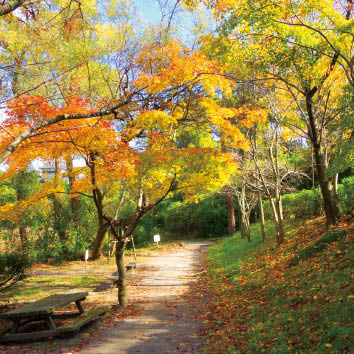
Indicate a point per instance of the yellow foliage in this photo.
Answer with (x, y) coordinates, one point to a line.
(173, 66)
(154, 119)
(13, 212)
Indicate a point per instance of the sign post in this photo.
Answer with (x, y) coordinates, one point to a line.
(86, 259)
(157, 240)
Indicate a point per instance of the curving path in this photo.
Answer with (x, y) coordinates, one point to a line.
(170, 321)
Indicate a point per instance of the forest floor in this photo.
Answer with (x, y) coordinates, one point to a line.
(163, 312)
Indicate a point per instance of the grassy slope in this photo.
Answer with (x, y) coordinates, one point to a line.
(260, 303)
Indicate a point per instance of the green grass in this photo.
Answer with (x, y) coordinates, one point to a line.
(278, 308)
(35, 287)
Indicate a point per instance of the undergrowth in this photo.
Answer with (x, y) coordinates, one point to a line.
(298, 298)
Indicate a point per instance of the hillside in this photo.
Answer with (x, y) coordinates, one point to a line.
(295, 299)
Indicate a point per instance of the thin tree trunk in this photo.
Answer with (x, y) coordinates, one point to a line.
(261, 210)
(244, 219)
(240, 218)
(277, 222)
(231, 212)
(122, 290)
(335, 191)
(247, 223)
(99, 240)
(56, 202)
(22, 228)
(330, 207)
(279, 208)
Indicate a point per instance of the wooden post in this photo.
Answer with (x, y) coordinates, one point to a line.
(86, 258)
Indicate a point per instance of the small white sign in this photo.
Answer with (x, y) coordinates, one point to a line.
(86, 255)
(156, 238)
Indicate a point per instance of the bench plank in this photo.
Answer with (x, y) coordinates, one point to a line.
(86, 317)
(43, 307)
(29, 335)
(131, 265)
(67, 328)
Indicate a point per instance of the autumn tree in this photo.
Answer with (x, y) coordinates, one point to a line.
(176, 72)
(284, 42)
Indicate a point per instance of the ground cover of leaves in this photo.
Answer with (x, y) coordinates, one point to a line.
(261, 301)
(245, 298)
(159, 319)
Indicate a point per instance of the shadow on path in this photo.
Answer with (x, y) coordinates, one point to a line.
(170, 322)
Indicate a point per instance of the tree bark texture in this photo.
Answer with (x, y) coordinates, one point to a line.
(99, 240)
(261, 212)
(329, 203)
(244, 216)
(10, 6)
(278, 221)
(231, 212)
(22, 228)
(122, 289)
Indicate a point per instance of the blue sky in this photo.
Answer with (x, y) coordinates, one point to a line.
(184, 21)
(149, 9)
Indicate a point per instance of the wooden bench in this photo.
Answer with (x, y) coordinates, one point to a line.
(128, 266)
(43, 311)
(75, 324)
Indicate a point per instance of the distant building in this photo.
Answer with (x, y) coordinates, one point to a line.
(47, 173)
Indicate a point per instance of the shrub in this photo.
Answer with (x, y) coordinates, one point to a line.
(13, 268)
(303, 204)
(346, 195)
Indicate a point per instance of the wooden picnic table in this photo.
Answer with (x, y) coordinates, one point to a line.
(43, 310)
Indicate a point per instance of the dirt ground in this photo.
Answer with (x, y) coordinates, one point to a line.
(163, 316)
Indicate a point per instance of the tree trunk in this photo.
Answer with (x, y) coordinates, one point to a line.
(122, 290)
(278, 222)
(10, 6)
(335, 191)
(247, 224)
(244, 218)
(56, 202)
(262, 217)
(22, 228)
(231, 212)
(330, 206)
(240, 218)
(99, 241)
(279, 208)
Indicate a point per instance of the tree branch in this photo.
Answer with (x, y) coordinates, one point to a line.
(10, 6)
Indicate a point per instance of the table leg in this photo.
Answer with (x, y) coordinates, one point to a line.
(79, 306)
(15, 326)
(49, 323)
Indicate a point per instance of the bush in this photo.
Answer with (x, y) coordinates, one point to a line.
(303, 204)
(13, 268)
(308, 202)
(206, 219)
(176, 218)
(346, 195)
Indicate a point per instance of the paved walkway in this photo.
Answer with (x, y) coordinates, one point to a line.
(170, 322)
